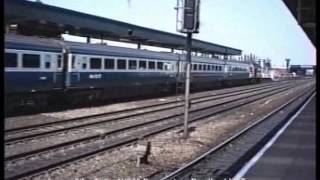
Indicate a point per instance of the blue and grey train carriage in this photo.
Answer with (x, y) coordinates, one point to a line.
(42, 69)
(33, 70)
(100, 71)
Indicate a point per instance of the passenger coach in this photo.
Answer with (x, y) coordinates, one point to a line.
(41, 70)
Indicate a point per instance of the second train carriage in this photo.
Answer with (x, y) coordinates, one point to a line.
(41, 69)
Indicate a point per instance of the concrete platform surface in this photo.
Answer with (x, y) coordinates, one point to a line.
(293, 154)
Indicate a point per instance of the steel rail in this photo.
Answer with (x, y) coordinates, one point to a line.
(123, 129)
(189, 165)
(59, 130)
(129, 140)
(131, 109)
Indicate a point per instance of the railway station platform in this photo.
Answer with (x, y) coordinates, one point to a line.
(292, 155)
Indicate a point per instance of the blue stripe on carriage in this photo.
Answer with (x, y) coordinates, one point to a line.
(26, 81)
(112, 79)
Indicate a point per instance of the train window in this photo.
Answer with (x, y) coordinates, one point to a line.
(84, 65)
(47, 61)
(209, 67)
(195, 67)
(11, 60)
(122, 64)
(213, 67)
(151, 65)
(132, 64)
(108, 63)
(219, 68)
(47, 65)
(160, 65)
(73, 62)
(204, 67)
(200, 67)
(142, 65)
(59, 61)
(95, 63)
(167, 66)
(31, 60)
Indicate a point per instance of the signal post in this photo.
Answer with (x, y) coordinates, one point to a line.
(187, 22)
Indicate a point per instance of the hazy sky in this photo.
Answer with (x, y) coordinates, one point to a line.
(265, 28)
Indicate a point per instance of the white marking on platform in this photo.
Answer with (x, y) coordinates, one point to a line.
(255, 158)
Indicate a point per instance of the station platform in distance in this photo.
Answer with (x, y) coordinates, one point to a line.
(290, 154)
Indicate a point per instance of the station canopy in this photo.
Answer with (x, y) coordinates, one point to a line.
(36, 18)
(304, 11)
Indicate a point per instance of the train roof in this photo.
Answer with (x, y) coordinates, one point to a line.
(13, 41)
(106, 50)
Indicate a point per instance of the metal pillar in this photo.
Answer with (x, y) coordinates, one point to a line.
(187, 89)
(88, 39)
(139, 46)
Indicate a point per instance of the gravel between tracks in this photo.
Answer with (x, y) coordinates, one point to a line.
(168, 150)
(94, 130)
(18, 121)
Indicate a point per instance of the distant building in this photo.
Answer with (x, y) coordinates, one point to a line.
(263, 67)
(279, 73)
(302, 70)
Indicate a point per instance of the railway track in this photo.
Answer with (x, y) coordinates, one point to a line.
(128, 123)
(201, 167)
(53, 156)
(22, 133)
(133, 110)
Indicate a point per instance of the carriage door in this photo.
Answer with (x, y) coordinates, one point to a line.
(57, 68)
(76, 63)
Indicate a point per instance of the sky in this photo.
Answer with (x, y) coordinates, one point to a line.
(265, 28)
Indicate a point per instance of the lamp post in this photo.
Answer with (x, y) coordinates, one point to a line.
(287, 64)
